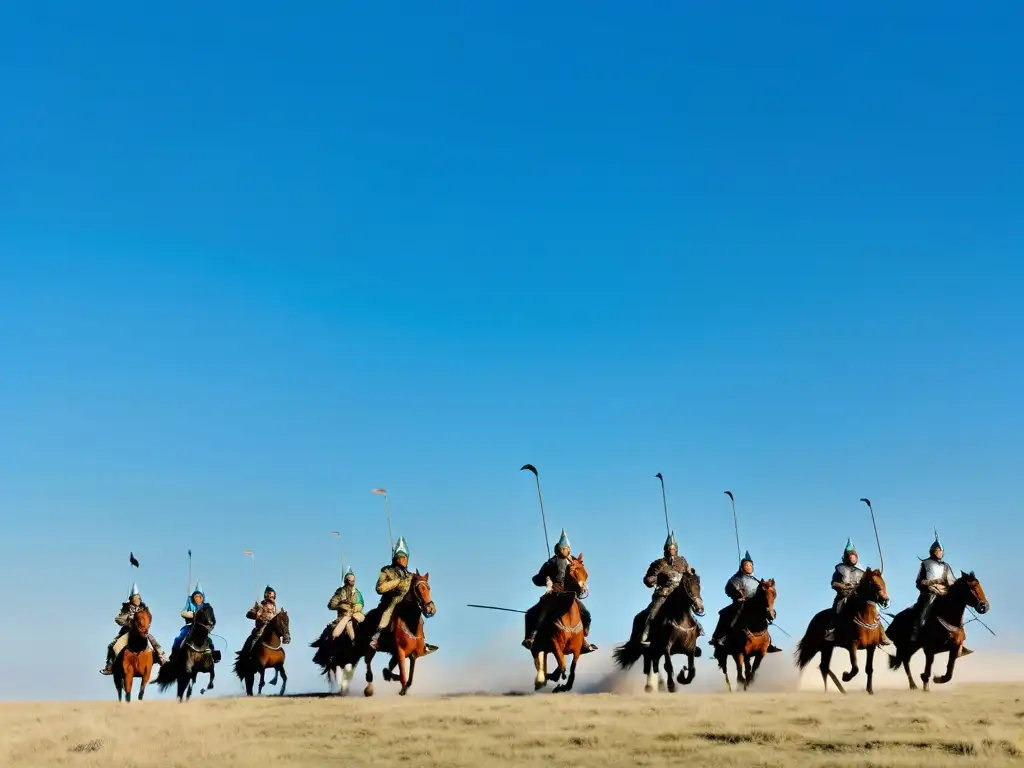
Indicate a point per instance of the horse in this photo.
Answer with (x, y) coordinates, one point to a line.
(266, 653)
(673, 630)
(858, 626)
(748, 637)
(563, 636)
(136, 660)
(404, 638)
(193, 656)
(943, 631)
(337, 659)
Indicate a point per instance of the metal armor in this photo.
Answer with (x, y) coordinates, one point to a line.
(847, 577)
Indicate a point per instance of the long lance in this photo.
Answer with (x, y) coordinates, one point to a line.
(664, 503)
(255, 581)
(189, 585)
(494, 608)
(540, 499)
(338, 535)
(735, 525)
(878, 541)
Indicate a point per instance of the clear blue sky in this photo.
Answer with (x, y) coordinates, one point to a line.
(255, 261)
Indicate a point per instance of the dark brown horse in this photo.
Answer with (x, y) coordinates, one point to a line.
(943, 632)
(859, 625)
(194, 655)
(563, 637)
(266, 653)
(673, 630)
(748, 640)
(404, 638)
(136, 658)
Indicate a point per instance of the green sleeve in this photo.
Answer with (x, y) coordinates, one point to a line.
(359, 598)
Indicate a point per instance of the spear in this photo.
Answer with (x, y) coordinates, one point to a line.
(878, 541)
(540, 498)
(664, 503)
(387, 511)
(255, 582)
(735, 525)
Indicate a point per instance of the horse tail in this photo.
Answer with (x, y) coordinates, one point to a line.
(168, 674)
(628, 654)
(241, 666)
(807, 647)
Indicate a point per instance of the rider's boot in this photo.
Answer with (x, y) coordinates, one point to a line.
(964, 651)
(646, 632)
(375, 639)
(885, 638)
(158, 651)
(109, 668)
(588, 647)
(773, 649)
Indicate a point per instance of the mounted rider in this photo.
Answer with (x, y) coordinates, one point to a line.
(934, 578)
(124, 619)
(348, 602)
(845, 579)
(740, 587)
(663, 575)
(262, 613)
(554, 576)
(188, 613)
(393, 585)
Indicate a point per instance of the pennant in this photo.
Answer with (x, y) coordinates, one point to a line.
(380, 491)
(132, 560)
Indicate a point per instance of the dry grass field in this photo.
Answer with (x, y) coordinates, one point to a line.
(969, 725)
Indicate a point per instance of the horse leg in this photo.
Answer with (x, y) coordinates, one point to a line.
(929, 657)
(741, 678)
(386, 673)
(274, 681)
(854, 669)
(572, 673)
(540, 662)
(650, 682)
(953, 654)
(669, 671)
(368, 690)
(119, 687)
(250, 678)
(686, 675)
(401, 667)
(752, 672)
(284, 677)
(129, 678)
(263, 681)
(748, 670)
(559, 674)
(412, 669)
(825, 662)
(910, 676)
(213, 674)
(869, 665)
(347, 673)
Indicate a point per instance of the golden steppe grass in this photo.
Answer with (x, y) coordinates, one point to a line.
(969, 725)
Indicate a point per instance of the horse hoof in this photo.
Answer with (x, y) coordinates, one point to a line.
(403, 692)
(648, 688)
(538, 685)
(386, 674)
(368, 690)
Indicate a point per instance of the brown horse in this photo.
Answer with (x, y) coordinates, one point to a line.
(404, 638)
(266, 653)
(565, 636)
(748, 640)
(136, 658)
(943, 632)
(858, 626)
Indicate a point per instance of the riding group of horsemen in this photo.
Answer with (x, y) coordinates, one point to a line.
(663, 575)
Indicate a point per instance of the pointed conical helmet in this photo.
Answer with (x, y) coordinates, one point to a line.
(936, 545)
(350, 572)
(401, 549)
(670, 541)
(849, 547)
(134, 591)
(199, 589)
(747, 558)
(563, 541)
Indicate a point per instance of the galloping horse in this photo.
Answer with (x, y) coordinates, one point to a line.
(564, 636)
(193, 656)
(404, 638)
(748, 638)
(858, 626)
(267, 653)
(673, 630)
(943, 632)
(136, 658)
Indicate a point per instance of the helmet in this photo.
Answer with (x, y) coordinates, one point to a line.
(563, 541)
(671, 541)
(401, 549)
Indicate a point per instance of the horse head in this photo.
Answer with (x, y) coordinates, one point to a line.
(689, 588)
(872, 588)
(279, 624)
(142, 621)
(766, 589)
(205, 617)
(974, 595)
(578, 573)
(420, 592)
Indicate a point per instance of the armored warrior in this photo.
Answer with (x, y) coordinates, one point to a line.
(845, 579)
(188, 613)
(262, 613)
(393, 585)
(934, 578)
(554, 577)
(663, 575)
(740, 587)
(348, 602)
(124, 620)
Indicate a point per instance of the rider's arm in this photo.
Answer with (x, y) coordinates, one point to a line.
(651, 577)
(188, 614)
(544, 574)
(359, 600)
(731, 592)
(837, 581)
(384, 583)
(252, 613)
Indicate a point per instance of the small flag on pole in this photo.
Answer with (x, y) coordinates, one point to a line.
(380, 491)
(132, 560)
(247, 552)
(335, 533)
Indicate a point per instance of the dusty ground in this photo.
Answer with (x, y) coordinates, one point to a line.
(970, 725)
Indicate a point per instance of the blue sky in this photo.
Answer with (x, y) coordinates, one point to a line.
(255, 261)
